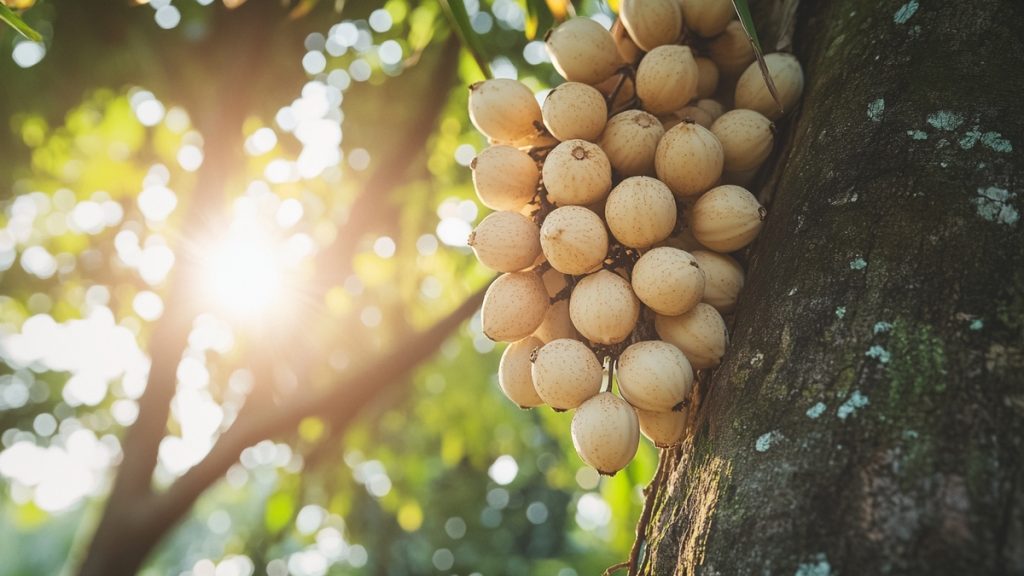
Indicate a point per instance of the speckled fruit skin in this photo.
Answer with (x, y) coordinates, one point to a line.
(664, 429)
(514, 306)
(746, 138)
(505, 178)
(694, 114)
(604, 308)
(583, 51)
(566, 373)
(574, 240)
(714, 108)
(515, 373)
(668, 280)
(506, 241)
(724, 279)
(731, 51)
(652, 23)
(606, 433)
(630, 141)
(700, 334)
(752, 90)
(577, 173)
(707, 18)
(689, 160)
(640, 212)
(666, 79)
(628, 50)
(575, 111)
(556, 324)
(654, 375)
(707, 77)
(503, 109)
(727, 218)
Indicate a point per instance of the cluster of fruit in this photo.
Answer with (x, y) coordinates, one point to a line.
(616, 205)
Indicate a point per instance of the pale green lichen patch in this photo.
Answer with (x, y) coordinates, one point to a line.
(854, 402)
(945, 120)
(970, 138)
(917, 134)
(817, 410)
(905, 12)
(840, 312)
(878, 353)
(996, 142)
(765, 441)
(858, 264)
(875, 109)
(976, 325)
(994, 204)
(819, 566)
(881, 327)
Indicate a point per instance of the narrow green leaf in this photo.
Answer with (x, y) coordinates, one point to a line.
(15, 21)
(747, 21)
(457, 15)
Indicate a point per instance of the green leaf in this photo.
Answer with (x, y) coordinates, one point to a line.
(747, 21)
(457, 15)
(15, 21)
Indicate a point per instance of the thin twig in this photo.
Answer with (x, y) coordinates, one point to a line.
(615, 568)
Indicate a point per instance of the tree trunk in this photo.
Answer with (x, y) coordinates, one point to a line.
(869, 417)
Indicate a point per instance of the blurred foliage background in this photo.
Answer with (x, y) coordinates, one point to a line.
(310, 116)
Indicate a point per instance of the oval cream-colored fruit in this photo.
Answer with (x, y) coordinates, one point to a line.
(506, 241)
(583, 51)
(604, 308)
(652, 23)
(623, 97)
(752, 90)
(556, 324)
(727, 218)
(606, 433)
(577, 172)
(574, 240)
(707, 77)
(654, 375)
(695, 115)
(707, 18)
(630, 141)
(666, 79)
(668, 280)
(575, 110)
(731, 51)
(505, 178)
(554, 281)
(689, 160)
(746, 138)
(628, 50)
(641, 211)
(566, 373)
(683, 239)
(724, 279)
(700, 334)
(714, 108)
(503, 109)
(664, 429)
(515, 373)
(514, 306)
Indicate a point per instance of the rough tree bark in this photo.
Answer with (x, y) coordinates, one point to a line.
(869, 418)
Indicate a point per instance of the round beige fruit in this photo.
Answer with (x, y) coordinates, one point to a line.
(577, 172)
(654, 375)
(666, 79)
(583, 51)
(683, 239)
(630, 141)
(566, 373)
(668, 280)
(574, 240)
(664, 429)
(652, 23)
(503, 109)
(554, 281)
(514, 306)
(628, 50)
(506, 241)
(505, 178)
(707, 18)
(714, 108)
(700, 334)
(623, 97)
(606, 433)
(752, 90)
(515, 373)
(731, 51)
(689, 160)
(575, 111)
(724, 279)
(556, 324)
(640, 212)
(707, 77)
(746, 138)
(604, 308)
(694, 115)
(727, 218)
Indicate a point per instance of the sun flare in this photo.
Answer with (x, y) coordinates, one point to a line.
(245, 271)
